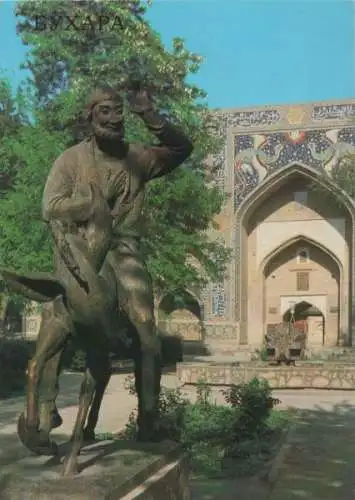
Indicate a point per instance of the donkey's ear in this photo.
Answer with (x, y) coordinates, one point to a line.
(40, 287)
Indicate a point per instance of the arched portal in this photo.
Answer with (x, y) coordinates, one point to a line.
(300, 312)
(315, 282)
(285, 210)
(181, 314)
(309, 320)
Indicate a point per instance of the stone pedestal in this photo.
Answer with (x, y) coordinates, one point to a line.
(109, 470)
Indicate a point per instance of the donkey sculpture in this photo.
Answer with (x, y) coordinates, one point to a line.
(82, 301)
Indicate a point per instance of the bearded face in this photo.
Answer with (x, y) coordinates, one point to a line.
(107, 120)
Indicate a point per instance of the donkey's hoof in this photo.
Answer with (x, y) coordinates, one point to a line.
(34, 440)
(23, 430)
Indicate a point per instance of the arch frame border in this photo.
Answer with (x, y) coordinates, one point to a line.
(250, 203)
(343, 312)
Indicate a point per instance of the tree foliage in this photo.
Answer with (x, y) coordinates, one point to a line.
(24, 241)
(343, 175)
(12, 117)
(65, 62)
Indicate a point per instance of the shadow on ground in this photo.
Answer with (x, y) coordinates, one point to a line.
(68, 396)
(11, 449)
(319, 464)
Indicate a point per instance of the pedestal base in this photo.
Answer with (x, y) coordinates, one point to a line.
(109, 470)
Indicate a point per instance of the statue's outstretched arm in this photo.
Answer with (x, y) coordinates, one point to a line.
(173, 150)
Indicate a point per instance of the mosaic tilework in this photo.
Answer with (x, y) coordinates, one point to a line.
(214, 296)
(257, 155)
(311, 148)
(282, 117)
(267, 139)
(259, 118)
(347, 136)
(239, 119)
(218, 296)
(333, 112)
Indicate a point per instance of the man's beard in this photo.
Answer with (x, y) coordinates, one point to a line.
(108, 134)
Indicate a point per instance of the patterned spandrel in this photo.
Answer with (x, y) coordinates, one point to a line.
(256, 155)
(238, 119)
(311, 148)
(312, 151)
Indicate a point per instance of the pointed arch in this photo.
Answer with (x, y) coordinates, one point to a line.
(192, 303)
(300, 238)
(301, 305)
(271, 184)
(277, 179)
(317, 301)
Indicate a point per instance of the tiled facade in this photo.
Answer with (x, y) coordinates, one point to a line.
(271, 157)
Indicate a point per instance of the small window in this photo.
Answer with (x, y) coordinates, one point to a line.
(301, 198)
(302, 281)
(302, 255)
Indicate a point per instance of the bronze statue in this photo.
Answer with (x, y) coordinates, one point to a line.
(92, 203)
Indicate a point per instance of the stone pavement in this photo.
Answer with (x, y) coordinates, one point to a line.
(318, 466)
(116, 408)
(320, 458)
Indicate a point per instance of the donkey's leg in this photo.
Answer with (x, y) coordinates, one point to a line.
(101, 369)
(87, 390)
(57, 329)
(48, 391)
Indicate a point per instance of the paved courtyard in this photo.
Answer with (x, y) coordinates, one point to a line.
(116, 408)
(318, 467)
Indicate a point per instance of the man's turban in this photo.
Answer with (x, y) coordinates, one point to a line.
(101, 94)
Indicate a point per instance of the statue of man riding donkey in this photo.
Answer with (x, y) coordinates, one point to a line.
(92, 203)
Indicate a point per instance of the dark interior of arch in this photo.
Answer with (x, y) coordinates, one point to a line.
(303, 310)
(182, 299)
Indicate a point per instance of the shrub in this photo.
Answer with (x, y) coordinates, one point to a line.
(254, 403)
(172, 407)
(14, 357)
(74, 359)
(214, 434)
(260, 354)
